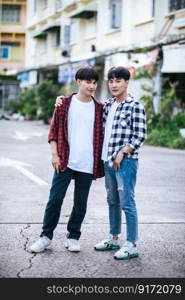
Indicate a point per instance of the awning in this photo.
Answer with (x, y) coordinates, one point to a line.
(52, 28)
(39, 34)
(173, 58)
(85, 12)
(43, 32)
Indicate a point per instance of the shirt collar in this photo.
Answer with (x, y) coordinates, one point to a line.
(129, 99)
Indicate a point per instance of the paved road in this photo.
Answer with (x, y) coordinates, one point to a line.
(25, 177)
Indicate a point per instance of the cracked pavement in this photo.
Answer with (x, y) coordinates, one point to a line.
(30, 260)
(160, 200)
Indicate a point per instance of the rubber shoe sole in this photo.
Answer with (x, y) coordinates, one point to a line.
(75, 251)
(40, 251)
(128, 257)
(32, 250)
(109, 248)
(68, 248)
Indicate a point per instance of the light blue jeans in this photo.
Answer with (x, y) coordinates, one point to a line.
(120, 186)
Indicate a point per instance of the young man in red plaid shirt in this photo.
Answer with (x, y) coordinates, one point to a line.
(76, 138)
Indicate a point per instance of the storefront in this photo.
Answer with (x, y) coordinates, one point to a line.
(28, 78)
(173, 68)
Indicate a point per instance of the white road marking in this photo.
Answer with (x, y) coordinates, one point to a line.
(24, 136)
(6, 162)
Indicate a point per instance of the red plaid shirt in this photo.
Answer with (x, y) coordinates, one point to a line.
(59, 132)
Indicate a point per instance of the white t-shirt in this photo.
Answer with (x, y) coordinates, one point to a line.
(81, 117)
(108, 130)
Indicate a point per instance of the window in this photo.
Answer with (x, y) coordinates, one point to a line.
(44, 44)
(10, 13)
(15, 53)
(73, 31)
(115, 13)
(10, 51)
(34, 6)
(56, 38)
(148, 10)
(32, 49)
(153, 8)
(45, 3)
(176, 5)
(5, 53)
(58, 4)
(66, 34)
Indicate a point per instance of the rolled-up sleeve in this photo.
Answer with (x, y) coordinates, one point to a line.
(53, 131)
(139, 133)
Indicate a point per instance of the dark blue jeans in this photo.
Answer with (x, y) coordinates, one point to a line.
(58, 190)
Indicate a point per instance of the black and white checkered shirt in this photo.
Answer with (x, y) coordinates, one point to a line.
(128, 128)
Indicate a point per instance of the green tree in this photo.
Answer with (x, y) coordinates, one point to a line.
(168, 102)
(47, 92)
(25, 103)
(164, 128)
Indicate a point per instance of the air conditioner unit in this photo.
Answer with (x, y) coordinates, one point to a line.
(93, 48)
(65, 51)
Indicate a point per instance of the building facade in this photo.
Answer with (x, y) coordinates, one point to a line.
(138, 34)
(12, 47)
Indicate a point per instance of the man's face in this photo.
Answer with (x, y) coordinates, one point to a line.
(87, 87)
(117, 86)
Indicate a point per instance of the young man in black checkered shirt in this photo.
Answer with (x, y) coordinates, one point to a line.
(124, 133)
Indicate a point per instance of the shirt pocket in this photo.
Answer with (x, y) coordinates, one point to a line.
(125, 119)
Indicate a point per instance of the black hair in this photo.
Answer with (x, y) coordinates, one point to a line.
(119, 72)
(86, 73)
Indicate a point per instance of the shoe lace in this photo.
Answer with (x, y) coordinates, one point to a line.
(108, 241)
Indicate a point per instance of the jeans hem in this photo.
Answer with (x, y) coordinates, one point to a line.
(72, 236)
(48, 236)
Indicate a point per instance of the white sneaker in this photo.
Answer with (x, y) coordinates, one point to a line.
(41, 244)
(107, 244)
(129, 250)
(72, 245)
